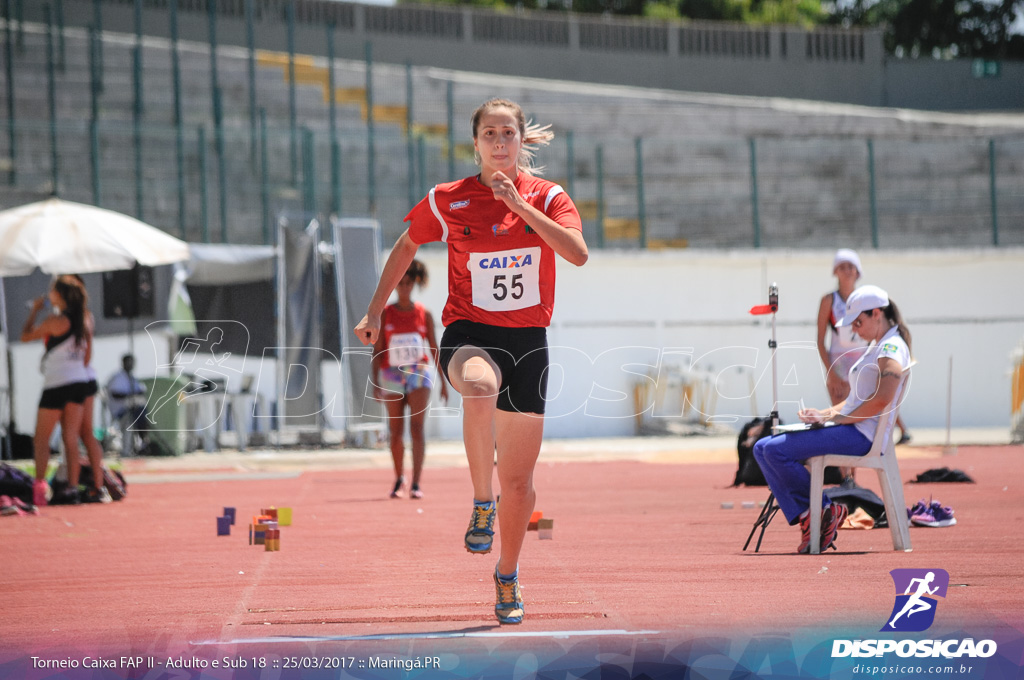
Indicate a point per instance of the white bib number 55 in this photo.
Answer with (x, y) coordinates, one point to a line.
(506, 280)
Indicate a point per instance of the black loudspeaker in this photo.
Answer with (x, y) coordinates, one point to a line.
(128, 294)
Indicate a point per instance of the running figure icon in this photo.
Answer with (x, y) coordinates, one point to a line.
(917, 603)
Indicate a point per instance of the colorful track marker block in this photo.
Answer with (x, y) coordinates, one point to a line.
(257, 534)
(230, 512)
(534, 518)
(284, 517)
(545, 528)
(223, 526)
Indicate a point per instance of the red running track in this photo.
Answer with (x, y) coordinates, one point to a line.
(637, 547)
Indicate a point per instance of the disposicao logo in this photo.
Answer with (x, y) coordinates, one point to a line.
(917, 591)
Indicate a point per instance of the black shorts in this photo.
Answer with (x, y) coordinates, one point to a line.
(91, 388)
(56, 398)
(520, 353)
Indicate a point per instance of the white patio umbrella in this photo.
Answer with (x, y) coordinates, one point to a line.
(61, 237)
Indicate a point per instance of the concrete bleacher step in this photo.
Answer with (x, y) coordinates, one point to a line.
(699, 146)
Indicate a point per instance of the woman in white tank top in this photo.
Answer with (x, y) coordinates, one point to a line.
(65, 377)
(845, 346)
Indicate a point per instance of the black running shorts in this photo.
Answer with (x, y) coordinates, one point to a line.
(56, 398)
(520, 353)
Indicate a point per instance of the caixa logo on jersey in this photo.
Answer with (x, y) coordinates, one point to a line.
(506, 261)
(916, 603)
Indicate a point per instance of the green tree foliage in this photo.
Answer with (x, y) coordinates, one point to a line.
(941, 28)
(937, 28)
(793, 12)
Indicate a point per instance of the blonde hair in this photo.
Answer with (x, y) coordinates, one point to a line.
(533, 135)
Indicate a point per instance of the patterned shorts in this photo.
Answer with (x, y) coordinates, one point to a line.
(406, 379)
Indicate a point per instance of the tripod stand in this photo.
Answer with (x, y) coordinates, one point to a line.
(770, 506)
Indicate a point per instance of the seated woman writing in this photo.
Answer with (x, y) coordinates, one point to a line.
(874, 380)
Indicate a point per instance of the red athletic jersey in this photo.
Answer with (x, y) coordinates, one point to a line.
(405, 335)
(500, 272)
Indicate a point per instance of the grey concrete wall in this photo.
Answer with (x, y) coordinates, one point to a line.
(951, 85)
(825, 65)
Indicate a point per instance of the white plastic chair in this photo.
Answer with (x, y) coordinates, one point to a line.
(881, 458)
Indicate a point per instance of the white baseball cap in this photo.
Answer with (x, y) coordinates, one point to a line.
(847, 255)
(863, 299)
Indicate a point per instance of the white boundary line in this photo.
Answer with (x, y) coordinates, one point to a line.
(427, 636)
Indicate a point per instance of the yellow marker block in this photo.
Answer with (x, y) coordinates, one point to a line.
(284, 517)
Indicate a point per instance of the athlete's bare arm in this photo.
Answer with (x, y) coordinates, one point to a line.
(568, 243)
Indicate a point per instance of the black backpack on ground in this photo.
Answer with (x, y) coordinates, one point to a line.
(15, 483)
(749, 472)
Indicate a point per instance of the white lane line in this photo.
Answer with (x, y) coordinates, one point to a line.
(427, 636)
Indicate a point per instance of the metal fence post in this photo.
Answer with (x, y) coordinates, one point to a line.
(332, 113)
(308, 171)
(872, 195)
(992, 190)
(293, 148)
(9, 71)
(211, 16)
(641, 207)
(371, 159)
(51, 98)
(250, 41)
(61, 51)
(410, 141)
(94, 154)
(94, 130)
(421, 170)
(97, 19)
(754, 200)
(264, 178)
(137, 111)
(137, 129)
(179, 141)
(570, 163)
(137, 73)
(450, 102)
(204, 192)
(600, 195)
(222, 180)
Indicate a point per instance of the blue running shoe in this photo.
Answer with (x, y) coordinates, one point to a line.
(509, 607)
(480, 534)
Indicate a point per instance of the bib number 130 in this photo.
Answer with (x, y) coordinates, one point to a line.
(507, 280)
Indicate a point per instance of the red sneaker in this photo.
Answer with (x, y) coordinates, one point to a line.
(831, 519)
(805, 535)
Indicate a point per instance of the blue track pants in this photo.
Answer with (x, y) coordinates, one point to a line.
(781, 459)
